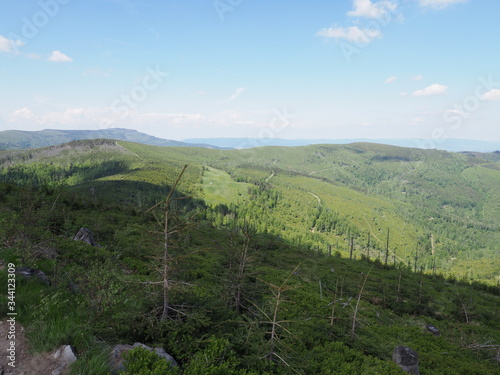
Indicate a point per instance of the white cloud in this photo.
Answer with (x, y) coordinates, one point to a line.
(176, 118)
(440, 4)
(352, 34)
(391, 79)
(71, 116)
(9, 45)
(458, 112)
(21, 114)
(58, 56)
(109, 117)
(235, 95)
(367, 9)
(435, 89)
(491, 95)
(418, 77)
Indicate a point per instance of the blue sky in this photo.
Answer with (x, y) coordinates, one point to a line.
(239, 68)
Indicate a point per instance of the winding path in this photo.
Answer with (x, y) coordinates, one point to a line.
(315, 196)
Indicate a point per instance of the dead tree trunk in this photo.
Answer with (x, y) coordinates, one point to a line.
(387, 248)
(166, 255)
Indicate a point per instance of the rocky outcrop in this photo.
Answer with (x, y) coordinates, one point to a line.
(117, 360)
(85, 235)
(407, 359)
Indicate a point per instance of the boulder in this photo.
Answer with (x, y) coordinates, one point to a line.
(433, 330)
(31, 272)
(65, 356)
(117, 360)
(406, 359)
(85, 235)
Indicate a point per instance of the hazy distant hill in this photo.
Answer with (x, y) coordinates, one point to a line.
(18, 140)
(451, 144)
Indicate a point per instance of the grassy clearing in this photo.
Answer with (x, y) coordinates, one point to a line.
(219, 188)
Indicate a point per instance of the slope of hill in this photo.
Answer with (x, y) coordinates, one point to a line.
(18, 140)
(448, 144)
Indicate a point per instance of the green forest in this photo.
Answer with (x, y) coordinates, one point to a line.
(276, 260)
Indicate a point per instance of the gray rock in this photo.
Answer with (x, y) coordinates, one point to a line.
(433, 330)
(85, 235)
(31, 272)
(65, 355)
(117, 360)
(162, 353)
(406, 359)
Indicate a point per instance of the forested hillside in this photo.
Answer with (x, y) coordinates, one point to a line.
(308, 260)
(426, 209)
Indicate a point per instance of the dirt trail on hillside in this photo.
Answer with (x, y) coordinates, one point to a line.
(26, 363)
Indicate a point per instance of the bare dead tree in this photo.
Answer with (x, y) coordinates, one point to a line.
(356, 309)
(398, 295)
(240, 259)
(277, 328)
(351, 246)
(387, 248)
(168, 229)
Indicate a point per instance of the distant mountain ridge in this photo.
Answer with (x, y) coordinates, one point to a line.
(19, 140)
(450, 144)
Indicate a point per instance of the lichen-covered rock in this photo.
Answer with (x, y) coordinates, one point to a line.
(406, 359)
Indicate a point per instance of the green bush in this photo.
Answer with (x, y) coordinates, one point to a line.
(140, 361)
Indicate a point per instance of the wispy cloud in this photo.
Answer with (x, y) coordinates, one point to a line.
(108, 117)
(491, 95)
(351, 34)
(235, 95)
(9, 45)
(391, 79)
(418, 77)
(418, 120)
(435, 89)
(457, 112)
(367, 9)
(440, 4)
(58, 56)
